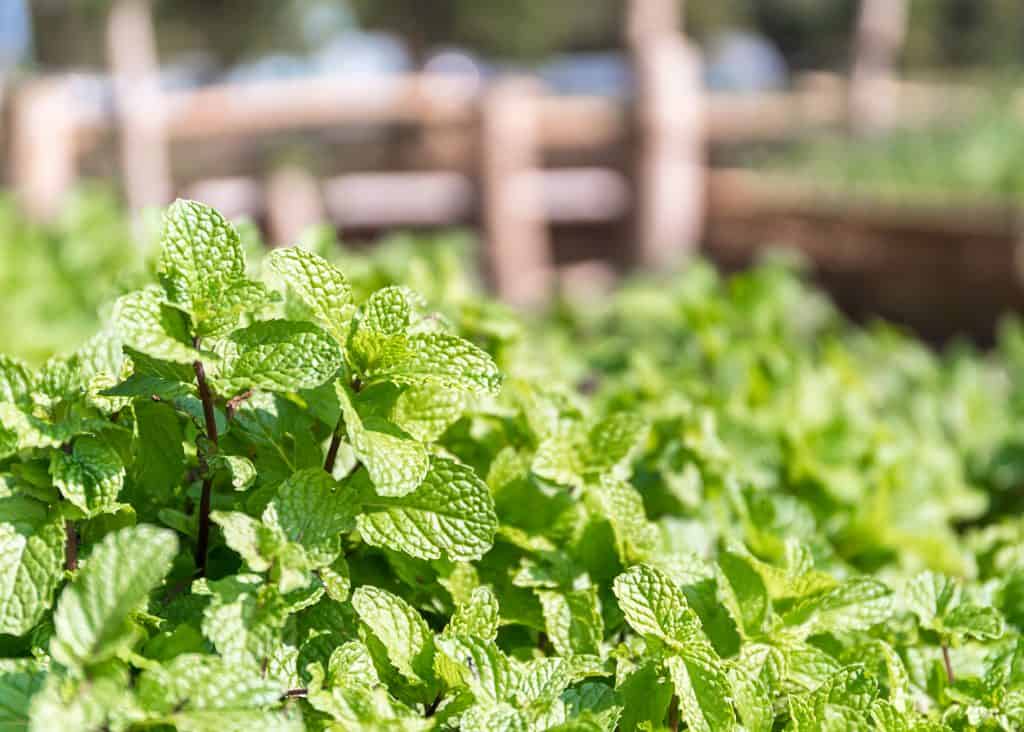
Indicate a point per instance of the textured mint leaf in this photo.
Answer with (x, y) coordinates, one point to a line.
(654, 606)
(278, 355)
(91, 477)
(336, 579)
(612, 440)
(974, 621)
(91, 619)
(256, 543)
(450, 514)
(435, 359)
(703, 689)
(16, 380)
(387, 311)
(857, 604)
(19, 682)
(621, 505)
(31, 565)
(742, 591)
(477, 617)
(751, 693)
(402, 631)
(594, 703)
(939, 605)
(480, 666)
(144, 323)
(159, 463)
(202, 267)
(572, 621)
(311, 509)
(239, 471)
(244, 621)
(193, 682)
(396, 465)
(89, 704)
(319, 285)
(426, 411)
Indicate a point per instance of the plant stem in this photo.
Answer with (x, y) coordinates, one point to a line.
(673, 714)
(70, 532)
(332, 451)
(949, 665)
(339, 432)
(203, 535)
(295, 693)
(70, 546)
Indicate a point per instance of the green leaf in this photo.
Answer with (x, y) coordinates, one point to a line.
(477, 617)
(388, 311)
(939, 605)
(202, 267)
(396, 465)
(703, 690)
(239, 470)
(480, 666)
(450, 514)
(402, 631)
(193, 682)
(654, 606)
(743, 592)
(91, 477)
(91, 619)
(18, 684)
(144, 323)
(311, 509)
(857, 604)
(320, 286)
(434, 359)
(278, 355)
(620, 504)
(16, 380)
(31, 565)
(975, 621)
(427, 410)
(573, 620)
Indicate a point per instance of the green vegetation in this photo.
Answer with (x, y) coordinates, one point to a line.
(267, 496)
(983, 158)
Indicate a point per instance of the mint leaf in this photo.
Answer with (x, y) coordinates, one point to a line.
(404, 634)
(278, 355)
(202, 267)
(319, 285)
(31, 565)
(450, 514)
(654, 606)
(396, 465)
(144, 323)
(91, 619)
(90, 477)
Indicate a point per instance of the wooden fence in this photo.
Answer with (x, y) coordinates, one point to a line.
(507, 155)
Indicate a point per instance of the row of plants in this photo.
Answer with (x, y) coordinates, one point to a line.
(978, 158)
(270, 495)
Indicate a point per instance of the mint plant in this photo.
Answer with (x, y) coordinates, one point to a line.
(267, 495)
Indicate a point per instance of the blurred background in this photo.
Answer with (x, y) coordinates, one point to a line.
(576, 140)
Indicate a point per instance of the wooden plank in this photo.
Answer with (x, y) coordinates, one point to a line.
(518, 247)
(131, 49)
(43, 156)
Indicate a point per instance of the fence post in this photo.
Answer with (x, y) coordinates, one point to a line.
(518, 249)
(881, 29)
(668, 125)
(132, 56)
(43, 155)
(294, 203)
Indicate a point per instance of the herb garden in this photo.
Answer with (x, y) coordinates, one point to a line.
(296, 493)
